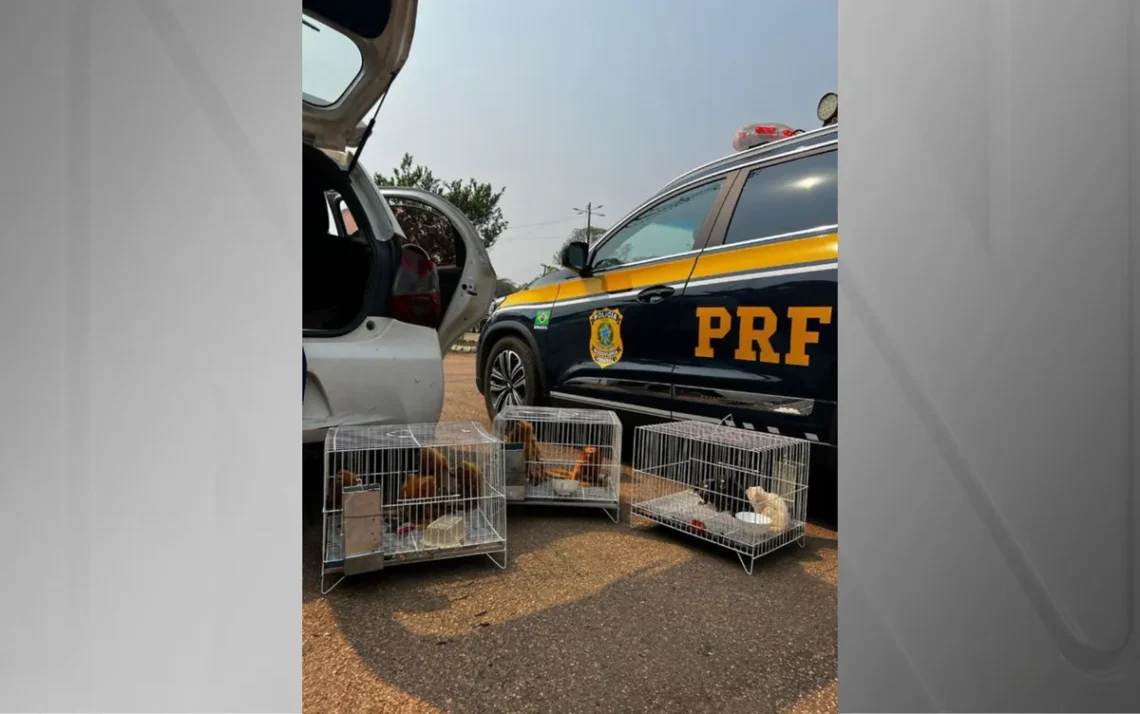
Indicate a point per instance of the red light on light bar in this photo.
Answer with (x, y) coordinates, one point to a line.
(754, 135)
(773, 130)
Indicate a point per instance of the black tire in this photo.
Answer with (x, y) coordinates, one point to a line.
(502, 358)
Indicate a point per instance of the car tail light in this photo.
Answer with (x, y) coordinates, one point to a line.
(415, 295)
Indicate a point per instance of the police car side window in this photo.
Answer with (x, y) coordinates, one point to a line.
(786, 198)
(663, 229)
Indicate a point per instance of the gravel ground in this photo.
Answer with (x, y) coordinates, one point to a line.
(590, 617)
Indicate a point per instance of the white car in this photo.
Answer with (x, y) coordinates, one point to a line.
(379, 313)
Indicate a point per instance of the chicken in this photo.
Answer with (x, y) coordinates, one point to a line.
(523, 432)
(433, 462)
(468, 479)
(770, 505)
(334, 495)
(588, 469)
(417, 487)
(723, 493)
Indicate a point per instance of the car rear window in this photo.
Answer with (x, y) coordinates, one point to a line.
(330, 62)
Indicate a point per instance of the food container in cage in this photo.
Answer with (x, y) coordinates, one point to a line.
(363, 530)
(514, 459)
(445, 532)
(564, 486)
(754, 523)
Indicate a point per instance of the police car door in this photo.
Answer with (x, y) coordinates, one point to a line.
(611, 337)
(757, 315)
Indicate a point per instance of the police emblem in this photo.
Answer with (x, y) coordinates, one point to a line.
(605, 336)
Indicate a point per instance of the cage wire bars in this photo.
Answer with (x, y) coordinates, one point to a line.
(742, 490)
(567, 457)
(408, 493)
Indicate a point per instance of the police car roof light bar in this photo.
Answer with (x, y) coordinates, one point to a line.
(752, 135)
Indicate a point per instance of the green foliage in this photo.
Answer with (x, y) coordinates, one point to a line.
(578, 234)
(595, 233)
(478, 201)
(505, 286)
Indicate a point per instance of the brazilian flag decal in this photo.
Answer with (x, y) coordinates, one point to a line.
(542, 318)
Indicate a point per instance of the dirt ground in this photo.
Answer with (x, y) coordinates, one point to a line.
(590, 616)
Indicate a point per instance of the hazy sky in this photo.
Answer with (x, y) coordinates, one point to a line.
(595, 100)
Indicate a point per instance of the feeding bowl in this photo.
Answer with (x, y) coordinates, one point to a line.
(754, 521)
(564, 486)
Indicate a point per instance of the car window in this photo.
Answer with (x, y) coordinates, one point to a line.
(330, 61)
(785, 198)
(664, 229)
(429, 229)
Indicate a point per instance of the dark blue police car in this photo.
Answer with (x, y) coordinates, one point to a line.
(714, 300)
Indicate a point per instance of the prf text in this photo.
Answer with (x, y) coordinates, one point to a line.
(756, 327)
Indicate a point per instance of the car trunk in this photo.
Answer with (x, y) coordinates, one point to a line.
(352, 52)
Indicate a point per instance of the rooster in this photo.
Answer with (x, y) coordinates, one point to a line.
(588, 469)
(418, 488)
(468, 479)
(334, 494)
(523, 432)
(770, 505)
(724, 493)
(433, 462)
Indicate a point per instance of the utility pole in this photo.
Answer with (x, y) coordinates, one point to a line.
(590, 211)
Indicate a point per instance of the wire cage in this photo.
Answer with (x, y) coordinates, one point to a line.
(743, 490)
(558, 456)
(402, 494)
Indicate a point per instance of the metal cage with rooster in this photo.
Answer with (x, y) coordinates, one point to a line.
(401, 494)
(558, 456)
(743, 490)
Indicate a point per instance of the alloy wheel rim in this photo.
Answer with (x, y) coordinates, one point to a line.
(508, 380)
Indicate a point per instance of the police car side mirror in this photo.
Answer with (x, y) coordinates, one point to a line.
(574, 256)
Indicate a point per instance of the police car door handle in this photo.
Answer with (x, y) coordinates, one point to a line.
(655, 294)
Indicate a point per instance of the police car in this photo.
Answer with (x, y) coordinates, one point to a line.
(714, 300)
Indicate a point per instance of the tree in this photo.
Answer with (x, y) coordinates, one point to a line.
(581, 234)
(578, 234)
(504, 287)
(478, 201)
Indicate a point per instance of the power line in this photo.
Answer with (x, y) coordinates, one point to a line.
(589, 211)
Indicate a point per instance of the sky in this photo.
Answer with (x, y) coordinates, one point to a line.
(595, 101)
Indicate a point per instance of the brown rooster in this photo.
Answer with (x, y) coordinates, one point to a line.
(433, 462)
(588, 469)
(468, 479)
(334, 495)
(416, 487)
(523, 432)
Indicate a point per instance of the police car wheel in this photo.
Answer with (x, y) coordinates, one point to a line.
(510, 376)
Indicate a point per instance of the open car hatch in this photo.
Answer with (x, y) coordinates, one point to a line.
(352, 51)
